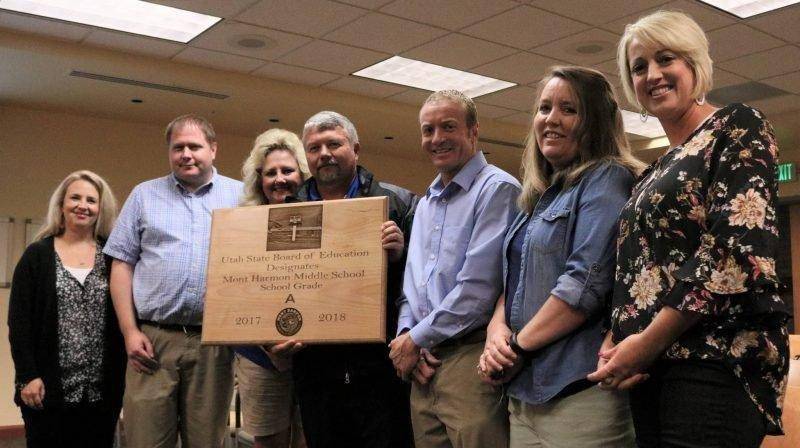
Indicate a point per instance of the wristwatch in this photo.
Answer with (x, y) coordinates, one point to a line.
(525, 354)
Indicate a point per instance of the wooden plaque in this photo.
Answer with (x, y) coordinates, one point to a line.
(310, 271)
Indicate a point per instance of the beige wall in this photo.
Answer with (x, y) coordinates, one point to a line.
(38, 148)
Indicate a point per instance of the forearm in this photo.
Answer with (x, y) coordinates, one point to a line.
(668, 325)
(121, 287)
(499, 316)
(554, 320)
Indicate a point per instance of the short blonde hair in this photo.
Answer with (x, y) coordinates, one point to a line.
(458, 97)
(674, 31)
(272, 140)
(54, 220)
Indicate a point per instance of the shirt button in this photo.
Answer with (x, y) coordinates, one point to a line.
(432, 257)
(444, 201)
(436, 227)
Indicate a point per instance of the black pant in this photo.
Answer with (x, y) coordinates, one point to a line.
(87, 426)
(367, 412)
(694, 404)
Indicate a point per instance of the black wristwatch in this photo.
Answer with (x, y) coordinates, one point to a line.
(517, 349)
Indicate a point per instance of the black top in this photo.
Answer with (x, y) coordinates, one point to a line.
(699, 234)
(354, 362)
(33, 329)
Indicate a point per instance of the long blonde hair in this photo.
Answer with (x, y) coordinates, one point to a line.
(599, 134)
(54, 220)
(272, 140)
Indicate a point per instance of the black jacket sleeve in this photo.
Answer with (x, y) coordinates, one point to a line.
(22, 318)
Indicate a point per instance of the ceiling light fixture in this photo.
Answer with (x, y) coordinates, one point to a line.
(422, 75)
(130, 16)
(633, 124)
(749, 8)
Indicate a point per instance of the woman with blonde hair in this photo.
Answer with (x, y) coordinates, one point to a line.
(698, 329)
(68, 353)
(274, 171)
(559, 261)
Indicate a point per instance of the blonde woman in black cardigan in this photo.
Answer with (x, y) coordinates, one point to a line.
(68, 354)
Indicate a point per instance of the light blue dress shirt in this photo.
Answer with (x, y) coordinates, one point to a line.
(164, 232)
(453, 272)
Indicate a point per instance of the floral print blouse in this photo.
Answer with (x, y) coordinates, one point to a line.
(699, 234)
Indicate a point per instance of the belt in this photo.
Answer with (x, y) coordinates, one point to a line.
(472, 337)
(173, 327)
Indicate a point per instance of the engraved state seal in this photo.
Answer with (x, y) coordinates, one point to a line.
(289, 321)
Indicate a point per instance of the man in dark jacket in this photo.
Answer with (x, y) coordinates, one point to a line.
(349, 394)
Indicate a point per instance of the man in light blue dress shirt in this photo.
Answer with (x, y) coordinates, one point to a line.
(160, 249)
(453, 278)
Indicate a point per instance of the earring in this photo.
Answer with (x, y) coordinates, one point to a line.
(643, 115)
(700, 101)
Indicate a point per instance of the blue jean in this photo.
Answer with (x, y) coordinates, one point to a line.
(694, 404)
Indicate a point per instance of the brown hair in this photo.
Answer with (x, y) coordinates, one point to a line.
(599, 135)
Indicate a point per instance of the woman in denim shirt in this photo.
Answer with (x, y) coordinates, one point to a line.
(559, 267)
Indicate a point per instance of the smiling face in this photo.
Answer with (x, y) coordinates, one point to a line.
(332, 159)
(662, 80)
(280, 176)
(80, 206)
(446, 138)
(555, 123)
(191, 156)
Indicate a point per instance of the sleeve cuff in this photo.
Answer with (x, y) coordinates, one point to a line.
(119, 255)
(423, 336)
(576, 294)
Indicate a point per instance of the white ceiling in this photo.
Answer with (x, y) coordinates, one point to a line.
(320, 42)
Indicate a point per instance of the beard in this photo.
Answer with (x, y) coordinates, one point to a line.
(329, 174)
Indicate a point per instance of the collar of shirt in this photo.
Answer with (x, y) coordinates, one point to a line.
(352, 191)
(465, 177)
(206, 186)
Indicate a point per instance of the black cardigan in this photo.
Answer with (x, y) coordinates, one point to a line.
(33, 329)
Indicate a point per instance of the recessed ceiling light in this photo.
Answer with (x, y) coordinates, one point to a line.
(422, 75)
(130, 16)
(633, 124)
(251, 41)
(749, 8)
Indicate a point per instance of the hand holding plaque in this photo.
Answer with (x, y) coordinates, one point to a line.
(313, 272)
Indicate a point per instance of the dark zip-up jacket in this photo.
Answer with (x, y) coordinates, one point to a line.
(353, 363)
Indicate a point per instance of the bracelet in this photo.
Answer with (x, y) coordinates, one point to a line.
(516, 347)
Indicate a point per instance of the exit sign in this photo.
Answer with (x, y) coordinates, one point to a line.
(786, 172)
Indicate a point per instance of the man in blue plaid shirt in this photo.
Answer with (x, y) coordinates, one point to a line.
(160, 250)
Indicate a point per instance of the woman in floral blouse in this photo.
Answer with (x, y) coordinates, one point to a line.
(697, 326)
(68, 353)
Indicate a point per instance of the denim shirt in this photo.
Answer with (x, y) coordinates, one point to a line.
(568, 252)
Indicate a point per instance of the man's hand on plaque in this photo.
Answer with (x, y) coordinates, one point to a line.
(284, 349)
(392, 240)
(426, 367)
(281, 354)
(404, 354)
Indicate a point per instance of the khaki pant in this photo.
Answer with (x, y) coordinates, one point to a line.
(456, 409)
(590, 418)
(189, 394)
